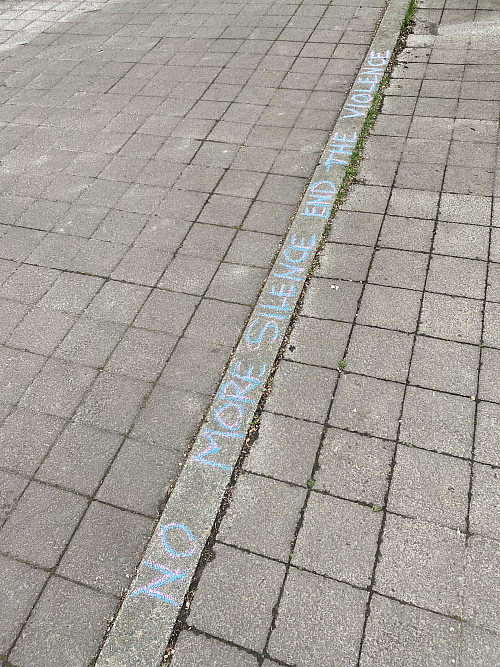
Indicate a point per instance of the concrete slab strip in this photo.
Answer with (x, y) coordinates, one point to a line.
(149, 611)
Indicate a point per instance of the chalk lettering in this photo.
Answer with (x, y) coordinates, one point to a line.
(227, 412)
(164, 530)
(256, 340)
(168, 577)
(214, 448)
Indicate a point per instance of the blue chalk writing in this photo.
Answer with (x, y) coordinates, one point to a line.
(169, 549)
(214, 448)
(168, 577)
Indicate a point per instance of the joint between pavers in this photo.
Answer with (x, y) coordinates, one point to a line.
(150, 609)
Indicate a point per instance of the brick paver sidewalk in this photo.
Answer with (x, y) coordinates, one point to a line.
(365, 526)
(152, 154)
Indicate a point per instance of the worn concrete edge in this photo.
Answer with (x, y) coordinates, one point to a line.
(150, 608)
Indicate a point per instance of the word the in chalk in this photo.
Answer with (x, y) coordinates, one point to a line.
(232, 403)
(339, 149)
(177, 542)
(361, 97)
(272, 316)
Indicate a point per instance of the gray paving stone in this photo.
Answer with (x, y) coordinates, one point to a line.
(90, 342)
(117, 302)
(141, 354)
(349, 262)
(478, 648)
(65, 627)
(28, 283)
(79, 458)
(41, 331)
(12, 487)
(158, 424)
(354, 466)
(17, 370)
(367, 199)
(397, 268)
(445, 366)
(105, 548)
(491, 334)
(262, 516)
(488, 422)
(195, 365)
(480, 603)
(355, 227)
(397, 633)
(338, 538)
(430, 487)
(71, 292)
(446, 275)
(268, 217)
(113, 402)
(318, 342)
(389, 307)
(422, 564)
(379, 353)
(237, 283)
(139, 477)
(190, 275)
(332, 299)
(25, 438)
(301, 391)
(406, 233)
(208, 241)
(415, 203)
(485, 501)
(166, 311)
(438, 421)
(367, 405)
(460, 240)
(469, 209)
(253, 248)
(236, 596)
(488, 386)
(319, 622)
(58, 388)
(285, 448)
(20, 585)
(196, 650)
(452, 318)
(218, 322)
(41, 524)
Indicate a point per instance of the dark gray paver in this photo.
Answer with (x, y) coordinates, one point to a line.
(41, 524)
(422, 564)
(430, 487)
(485, 501)
(285, 448)
(397, 634)
(105, 547)
(480, 600)
(236, 597)
(20, 584)
(196, 650)
(319, 622)
(65, 627)
(338, 538)
(354, 466)
(367, 405)
(302, 391)
(262, 516)
(438, 421)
